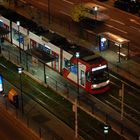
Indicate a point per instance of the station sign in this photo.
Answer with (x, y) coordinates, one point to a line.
(1, 83)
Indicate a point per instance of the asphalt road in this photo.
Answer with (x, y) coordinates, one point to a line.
(120, 23)
(11, 129)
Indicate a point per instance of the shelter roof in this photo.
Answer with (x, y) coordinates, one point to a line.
(114, 38)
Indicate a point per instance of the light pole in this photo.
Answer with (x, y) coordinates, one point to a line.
(95, 11)
(75, 108)
(18, 24)
(106, 131)
(20, 70)
(77, 57)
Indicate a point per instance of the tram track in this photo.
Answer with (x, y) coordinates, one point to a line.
(131, 101)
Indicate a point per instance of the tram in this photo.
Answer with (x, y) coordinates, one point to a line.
(76, 63)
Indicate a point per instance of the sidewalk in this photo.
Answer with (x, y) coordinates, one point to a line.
(129, 69)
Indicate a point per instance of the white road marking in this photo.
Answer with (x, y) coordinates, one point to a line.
(136, 22)
(116, 28)
(138, 29)
(117, 21)
(41, 3)
(64, 13)
(69, 2)
(89, 31)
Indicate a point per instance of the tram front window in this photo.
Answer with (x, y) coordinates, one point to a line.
(99, 76)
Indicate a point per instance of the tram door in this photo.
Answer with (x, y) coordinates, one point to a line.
(33, 44)
(55, 63)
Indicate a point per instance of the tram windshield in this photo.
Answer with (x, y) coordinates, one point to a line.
(99, 74)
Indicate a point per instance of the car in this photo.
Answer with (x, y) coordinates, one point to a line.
(131, 6)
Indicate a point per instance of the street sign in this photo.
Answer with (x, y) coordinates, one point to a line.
(1, 83)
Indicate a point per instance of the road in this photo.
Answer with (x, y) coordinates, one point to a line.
(12, 129)
(120, 23)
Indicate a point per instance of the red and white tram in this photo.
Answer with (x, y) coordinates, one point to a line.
(89, 70)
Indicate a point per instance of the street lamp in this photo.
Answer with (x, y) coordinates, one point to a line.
(20, 70)
(95, 11)
(75, 106)
(106, 131)
(77, 56)
(18, 24)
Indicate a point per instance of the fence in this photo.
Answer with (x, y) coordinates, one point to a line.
(50, 78)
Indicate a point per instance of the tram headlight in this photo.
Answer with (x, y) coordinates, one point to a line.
(107, 81)
(94, 86)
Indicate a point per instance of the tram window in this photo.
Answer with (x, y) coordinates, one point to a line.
(16, 36)
(88, 76)
(73, 68)
(67, 63)
(44, 48)
(82, 77)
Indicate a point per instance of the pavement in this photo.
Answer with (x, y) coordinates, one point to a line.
(129, 69)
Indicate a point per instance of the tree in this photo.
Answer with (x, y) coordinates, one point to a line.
(78, 12)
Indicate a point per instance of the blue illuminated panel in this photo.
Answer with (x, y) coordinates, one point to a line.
(1, 83)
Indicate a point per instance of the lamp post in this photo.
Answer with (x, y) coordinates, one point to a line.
(95, 11)
(106, 131)
(20, 70)
(75, 110)
(18, 24)
(77, 56)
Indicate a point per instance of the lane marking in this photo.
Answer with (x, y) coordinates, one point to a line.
(138, 29)
(64, 13)
(41, 3)
(117, 21)
(69, 2)
(89, 31)
(133, 20)
(116, 28)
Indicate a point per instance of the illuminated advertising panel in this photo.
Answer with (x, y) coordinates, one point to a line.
(1, 83)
